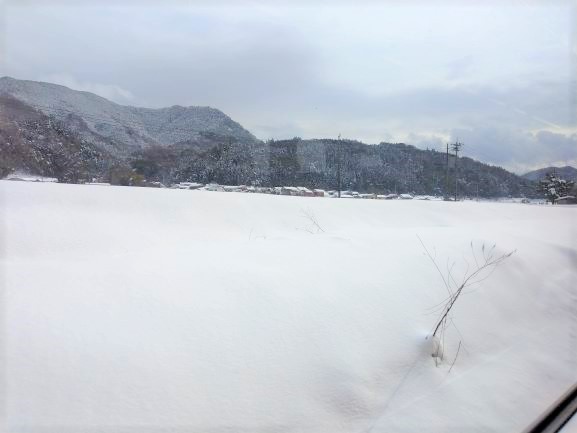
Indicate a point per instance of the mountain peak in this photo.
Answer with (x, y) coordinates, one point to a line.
(134, 126)
(566, 172)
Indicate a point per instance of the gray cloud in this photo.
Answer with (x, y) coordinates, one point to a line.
(500, 77)
(518, 150)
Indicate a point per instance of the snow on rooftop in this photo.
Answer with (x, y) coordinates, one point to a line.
(156, 311)
(191, 184)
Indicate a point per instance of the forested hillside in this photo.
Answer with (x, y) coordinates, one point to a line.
(77, 136)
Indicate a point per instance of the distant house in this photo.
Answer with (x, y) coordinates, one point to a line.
(213, 187)
(305, 192)
(289, 190)
(333, 194)
(188, 185)
(319, 192)
(265, 190)
(297, 191)
(350, 193)
(234, 188)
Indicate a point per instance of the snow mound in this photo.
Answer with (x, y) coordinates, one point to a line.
(136, 309)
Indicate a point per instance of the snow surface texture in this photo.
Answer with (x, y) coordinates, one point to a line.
(150, 310)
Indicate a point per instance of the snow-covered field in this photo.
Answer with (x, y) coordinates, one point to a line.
(150, 310)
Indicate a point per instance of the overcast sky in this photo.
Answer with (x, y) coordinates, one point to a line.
(500, 76)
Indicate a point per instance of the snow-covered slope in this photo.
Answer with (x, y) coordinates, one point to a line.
(132, 126)
(567, 172)
(131, 309)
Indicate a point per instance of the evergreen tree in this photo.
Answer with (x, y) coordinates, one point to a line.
(554, 187)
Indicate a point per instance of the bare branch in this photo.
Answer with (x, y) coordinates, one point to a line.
(469, 279)
(436, 266)
(474, 255)
(313, 220)
(456, 355)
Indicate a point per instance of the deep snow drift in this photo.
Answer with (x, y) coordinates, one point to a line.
(129, 310)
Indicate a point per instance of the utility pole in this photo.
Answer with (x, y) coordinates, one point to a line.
(339, 158)
(456, 146)
(447, 174)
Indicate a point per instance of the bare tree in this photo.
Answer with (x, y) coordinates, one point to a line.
(484, 267)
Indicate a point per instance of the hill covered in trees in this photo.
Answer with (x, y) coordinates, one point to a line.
(32, 142)
(386, 167)
(566, 172)
(96, 139)
(382, 168)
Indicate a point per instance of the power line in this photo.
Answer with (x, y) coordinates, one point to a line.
(447, 174)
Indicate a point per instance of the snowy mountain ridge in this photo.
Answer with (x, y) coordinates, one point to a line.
(135, 127)
(566, 172)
